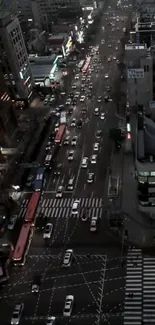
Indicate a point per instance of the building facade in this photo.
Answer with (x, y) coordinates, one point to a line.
(8, 121)
(16, 71)
(139, 64)
(45, 12)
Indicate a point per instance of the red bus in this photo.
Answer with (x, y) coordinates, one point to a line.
(32, 207)
(22, 246)
(85, 68)
(60, 133)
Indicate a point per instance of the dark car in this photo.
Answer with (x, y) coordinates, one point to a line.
(57, 170)
(71, 95)
(36, 284)
(52, 135)
(74, 101)
(3, 218)
(106, 99)
(98, 134)
(79, 124)
(70, 111)
(108, 88)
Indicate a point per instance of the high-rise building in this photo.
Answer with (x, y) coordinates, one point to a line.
(14, 58)
(21, 8)
(8, 121)
(139, 63)
(45, 11)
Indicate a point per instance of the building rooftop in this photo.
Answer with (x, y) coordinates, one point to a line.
(41, 71)
(39, 60)
(57, 36)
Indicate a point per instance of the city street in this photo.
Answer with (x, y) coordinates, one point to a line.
(95, 278)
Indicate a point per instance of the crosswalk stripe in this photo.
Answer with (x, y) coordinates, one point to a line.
(133, 288)
(149, 289)
(140, 289)
(61, 207)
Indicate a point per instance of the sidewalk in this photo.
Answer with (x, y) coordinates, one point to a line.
(140, 230)
(138, 225)
(114, 192)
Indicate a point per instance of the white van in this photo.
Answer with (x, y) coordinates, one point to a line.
(84, 163)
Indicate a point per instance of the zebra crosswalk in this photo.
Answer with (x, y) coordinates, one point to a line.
(61, 208)
(149, 290)
(139, 305)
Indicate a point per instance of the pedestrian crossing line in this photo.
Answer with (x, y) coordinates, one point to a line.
(61, 208)
(149, 290)
(68, 203)
(133, 288)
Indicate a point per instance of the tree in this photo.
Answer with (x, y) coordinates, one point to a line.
(116, 135)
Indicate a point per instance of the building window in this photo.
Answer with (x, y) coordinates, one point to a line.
(147, 68)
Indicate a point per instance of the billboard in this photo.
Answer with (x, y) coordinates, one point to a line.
(135, 73)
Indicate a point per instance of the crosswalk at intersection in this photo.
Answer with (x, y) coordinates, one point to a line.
(61, 208)
(139, 305)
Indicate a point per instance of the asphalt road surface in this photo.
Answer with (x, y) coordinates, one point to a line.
(96, 277)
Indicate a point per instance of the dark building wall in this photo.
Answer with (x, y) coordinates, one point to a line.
(8, 121)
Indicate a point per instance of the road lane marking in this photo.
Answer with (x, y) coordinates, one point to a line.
(99, 307)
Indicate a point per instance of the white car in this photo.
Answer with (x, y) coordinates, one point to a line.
(50, 320)
(48, 231)
(102, 116)
(96, 111)
(109, 59)
(90, 178)
(96, 146)
(66, 140)
(99, 99)
(17, 314)
(76, 76)
(84, 163)
(82, 98)
(93, 225)
(77, 94)
(59, 191)
(68, 102)
(68, 258)
(73, 122)
(102, 41)
(74, 86)
(106, 76)
(74, 141)
(93, 159)
(116, 48)
(75, 207)
(109, 45)
(56, 128)
(114, 57)
(70, 185)
(71, 155)
(68, 306)
(12, 221)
